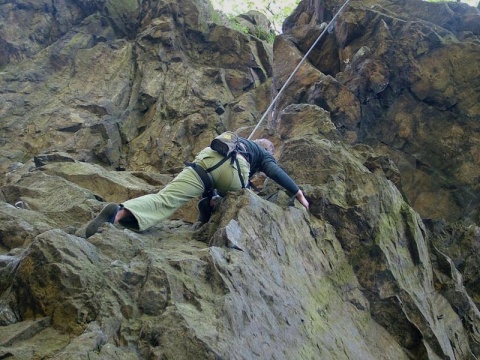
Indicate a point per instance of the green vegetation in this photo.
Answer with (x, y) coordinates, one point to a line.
(263, 35)
(235, 25)
(257, 31)
(275, 10)
(474, 3)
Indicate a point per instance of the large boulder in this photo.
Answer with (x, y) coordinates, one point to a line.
(262, 277)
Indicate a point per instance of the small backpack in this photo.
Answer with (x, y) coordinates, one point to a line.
(228, 144)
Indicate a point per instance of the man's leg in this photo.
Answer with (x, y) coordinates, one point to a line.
(145, 211)
(149, 210)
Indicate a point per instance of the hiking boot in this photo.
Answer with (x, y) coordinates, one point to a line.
(204, 210)
(106, 215)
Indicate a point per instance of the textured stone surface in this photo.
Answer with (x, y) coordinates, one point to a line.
(404, 79)
(103, 100)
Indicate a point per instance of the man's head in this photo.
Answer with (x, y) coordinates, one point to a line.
(266, 144)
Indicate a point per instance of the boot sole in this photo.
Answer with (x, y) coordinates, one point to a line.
(106, 215)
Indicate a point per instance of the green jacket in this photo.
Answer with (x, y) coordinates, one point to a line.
(260, 160)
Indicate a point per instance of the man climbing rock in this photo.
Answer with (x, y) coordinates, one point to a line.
(209, 166)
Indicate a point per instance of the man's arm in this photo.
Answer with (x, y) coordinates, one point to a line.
(277, 174)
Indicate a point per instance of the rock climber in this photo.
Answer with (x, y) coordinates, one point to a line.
(146, 211)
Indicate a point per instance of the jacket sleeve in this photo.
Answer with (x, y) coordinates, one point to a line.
(270, 167)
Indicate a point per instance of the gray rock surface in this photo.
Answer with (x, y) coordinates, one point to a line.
(102, 101)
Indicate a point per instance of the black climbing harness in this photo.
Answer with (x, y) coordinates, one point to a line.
(228, 145)
(207, 178)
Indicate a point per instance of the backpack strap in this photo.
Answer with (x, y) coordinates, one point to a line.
(217, 165)
(240, 173)
(233, 157)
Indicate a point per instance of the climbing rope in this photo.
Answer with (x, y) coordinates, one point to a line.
(298, 66)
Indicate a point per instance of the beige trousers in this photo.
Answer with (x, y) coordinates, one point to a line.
(150, 209)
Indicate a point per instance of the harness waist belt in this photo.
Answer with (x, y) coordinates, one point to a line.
(204, 176)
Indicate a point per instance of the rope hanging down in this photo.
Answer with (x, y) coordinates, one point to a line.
(298, 66)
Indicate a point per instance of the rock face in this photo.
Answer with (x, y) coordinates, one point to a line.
(103, 100)
(403, 79)
(127, 103)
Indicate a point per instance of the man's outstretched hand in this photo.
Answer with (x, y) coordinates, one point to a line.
(301, 198)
